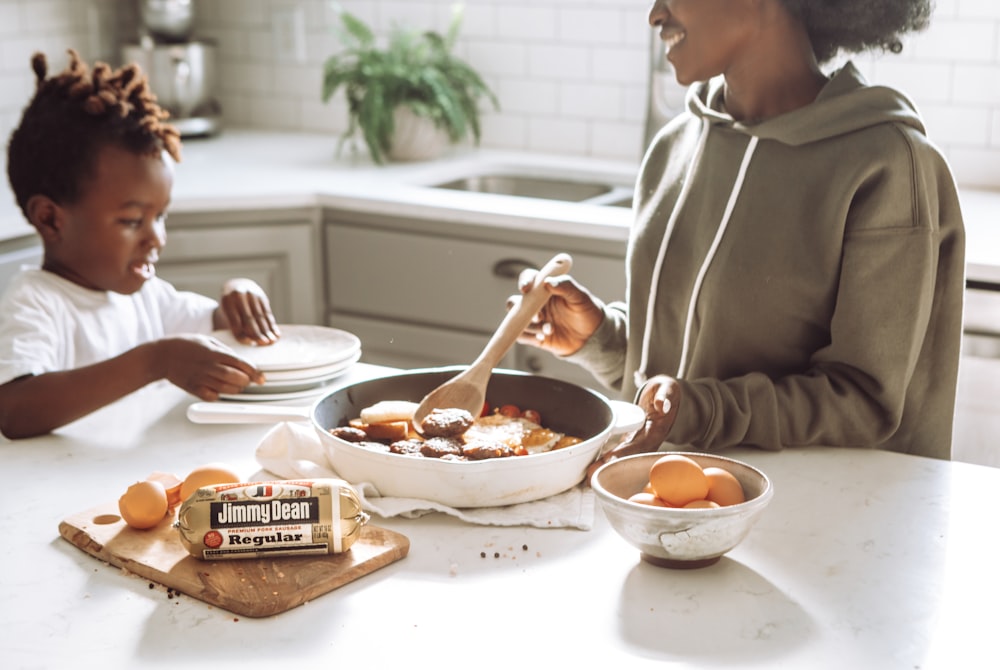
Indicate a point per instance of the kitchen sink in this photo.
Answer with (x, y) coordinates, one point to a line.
(529, 187)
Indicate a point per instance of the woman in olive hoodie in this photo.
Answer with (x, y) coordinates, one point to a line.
(796, 265)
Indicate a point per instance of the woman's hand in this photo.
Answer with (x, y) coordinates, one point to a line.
(567, 320)
(205, 367)
(660, 398)
(245, 310)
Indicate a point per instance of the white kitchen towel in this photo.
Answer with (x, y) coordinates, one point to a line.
(293, 450)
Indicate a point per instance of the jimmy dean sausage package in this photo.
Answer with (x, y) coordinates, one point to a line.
(278, 518)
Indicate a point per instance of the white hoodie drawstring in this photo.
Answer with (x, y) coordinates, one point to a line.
(640, 373)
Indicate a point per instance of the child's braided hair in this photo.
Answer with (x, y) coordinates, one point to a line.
(71, 116)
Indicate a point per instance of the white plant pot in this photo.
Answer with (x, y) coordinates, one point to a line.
(416, 138)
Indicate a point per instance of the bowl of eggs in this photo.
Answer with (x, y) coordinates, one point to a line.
(681, 509)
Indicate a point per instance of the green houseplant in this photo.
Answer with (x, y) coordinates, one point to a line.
(415, 74)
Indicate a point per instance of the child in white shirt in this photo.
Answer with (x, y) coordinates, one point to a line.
(91, 166)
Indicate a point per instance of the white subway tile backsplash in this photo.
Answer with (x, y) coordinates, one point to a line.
(964, 126)
(508, 131)
(977, 84)
(498, 58)
(559, 62)
(979, 167)
(944, 8)
(479, 21)
(324, 117)
(528, 96)
(930, 83)
(625, 65)
(275, 112)
(981, 9)
(570, 74)
(590, 101)
(591, 26)
(528, 23)
(615, 140)
(561, 135)
(10, 19)
(955, 40)
(290, 80)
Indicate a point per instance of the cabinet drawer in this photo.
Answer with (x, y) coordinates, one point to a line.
(444, 281)
(278, 257)
(407, 346)
(544, 364)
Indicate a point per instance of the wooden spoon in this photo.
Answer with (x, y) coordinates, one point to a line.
(467, 389)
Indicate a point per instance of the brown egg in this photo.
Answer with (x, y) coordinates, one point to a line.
(678, 479)
(207, 475)
(646, 498)
(144, 504)
(723, 487)
(702, 504)
(171, 484)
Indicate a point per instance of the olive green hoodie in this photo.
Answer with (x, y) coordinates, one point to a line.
(803, 277)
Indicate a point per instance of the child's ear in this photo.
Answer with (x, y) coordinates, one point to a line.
(46, 216)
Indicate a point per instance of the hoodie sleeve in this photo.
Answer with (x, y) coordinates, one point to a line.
(603, 354)
(898, 306)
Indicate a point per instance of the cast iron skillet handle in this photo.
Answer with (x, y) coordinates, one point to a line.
(511, 268)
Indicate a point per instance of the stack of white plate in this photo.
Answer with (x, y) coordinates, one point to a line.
(302, 363)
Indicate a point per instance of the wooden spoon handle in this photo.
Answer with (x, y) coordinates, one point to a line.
(520, 315)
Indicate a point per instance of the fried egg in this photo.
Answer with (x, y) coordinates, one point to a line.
(514, 432)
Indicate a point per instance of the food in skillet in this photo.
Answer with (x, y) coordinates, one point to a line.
(452, 434)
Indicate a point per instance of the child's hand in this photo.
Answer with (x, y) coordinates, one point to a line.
(247, 312)
(203, 366)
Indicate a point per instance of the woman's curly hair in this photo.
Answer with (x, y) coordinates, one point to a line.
(858, 25)
(71, 116)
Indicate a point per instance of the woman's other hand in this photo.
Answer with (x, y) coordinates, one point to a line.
(245, 310)
(660, 398)
(567, 320)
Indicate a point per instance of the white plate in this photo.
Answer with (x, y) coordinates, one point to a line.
(308, 374)
(303, 383)
(300, 347)
(268, 397)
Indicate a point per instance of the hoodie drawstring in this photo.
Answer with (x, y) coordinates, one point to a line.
(640, 373)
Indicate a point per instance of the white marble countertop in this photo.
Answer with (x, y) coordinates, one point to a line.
(864, 559)
(247, 170)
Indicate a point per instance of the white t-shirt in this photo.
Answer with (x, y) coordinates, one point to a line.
(48, 323)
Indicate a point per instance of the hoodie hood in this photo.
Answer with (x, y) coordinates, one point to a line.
(846, 104)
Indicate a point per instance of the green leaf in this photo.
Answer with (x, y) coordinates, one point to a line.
(415, 69)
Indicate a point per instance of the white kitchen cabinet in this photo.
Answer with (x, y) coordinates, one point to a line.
(421, 294)
(977, 407)
(17, 253)
(976, 436)
(277, 249)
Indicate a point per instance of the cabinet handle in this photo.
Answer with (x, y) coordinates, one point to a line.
(511, 268)
(534, 364)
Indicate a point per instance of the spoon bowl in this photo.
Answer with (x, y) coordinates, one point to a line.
(467, 390)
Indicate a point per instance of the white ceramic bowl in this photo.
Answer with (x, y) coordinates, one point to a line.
(677, 537)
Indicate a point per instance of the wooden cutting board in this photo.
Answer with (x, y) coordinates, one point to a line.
(249, 587)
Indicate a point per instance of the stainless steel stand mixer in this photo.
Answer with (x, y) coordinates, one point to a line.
(181, 70)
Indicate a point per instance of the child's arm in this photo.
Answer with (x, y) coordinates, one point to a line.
(38, 404)
(245, 310)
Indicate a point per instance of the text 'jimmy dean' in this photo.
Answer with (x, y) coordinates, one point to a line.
(263, 513)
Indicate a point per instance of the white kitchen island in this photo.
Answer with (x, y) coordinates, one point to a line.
(864, 559)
